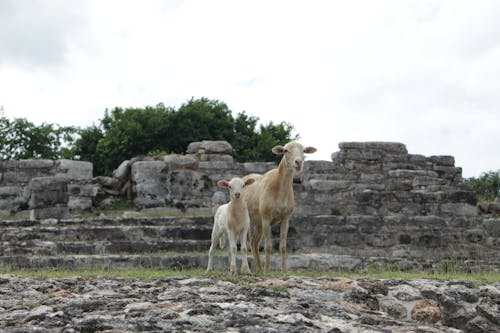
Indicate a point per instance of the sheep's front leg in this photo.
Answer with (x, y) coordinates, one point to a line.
(245, 269)
(283, 237)
(232, 251)
(268, 245)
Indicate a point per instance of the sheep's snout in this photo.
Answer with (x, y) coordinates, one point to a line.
(237, 195)
(297, 165)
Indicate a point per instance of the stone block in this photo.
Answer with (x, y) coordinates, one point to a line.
(79, 203)
(15, 177)
(26, 164)
(210, 147)
(492, 226)
(83, 190)
(123, 170)
(108, 182)
(258, 167)
(10, 191)
(402, 173)
(219, 165)
(216, 158)
(459, 209)
(388, 147)
(422, 181)
(57, 212)
(48, 191)
(149, 171)
(318, 167)
(74, 170)
(443, 160)
(329, 185)
(181, 161)
(371, 177)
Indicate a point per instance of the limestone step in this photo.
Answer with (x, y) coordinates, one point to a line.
(55, 248)
(136, 235)
(179, 261)
(93, 233)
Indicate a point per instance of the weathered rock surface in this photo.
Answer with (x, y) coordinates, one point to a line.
(245, 304)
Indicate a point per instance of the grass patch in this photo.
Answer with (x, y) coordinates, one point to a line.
(151, 274)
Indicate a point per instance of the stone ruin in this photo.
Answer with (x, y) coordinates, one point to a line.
(362, 178)
(39, 189)
(373, 204)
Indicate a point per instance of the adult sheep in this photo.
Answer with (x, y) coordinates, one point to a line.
(270, 201)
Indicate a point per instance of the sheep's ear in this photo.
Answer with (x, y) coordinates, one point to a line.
(223, 183)
(309, 150)
(249, 181)
(278, 150)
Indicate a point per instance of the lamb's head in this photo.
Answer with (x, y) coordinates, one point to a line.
(294, 154)
(236, 186)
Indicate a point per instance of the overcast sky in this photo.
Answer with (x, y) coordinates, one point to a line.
(425, 73)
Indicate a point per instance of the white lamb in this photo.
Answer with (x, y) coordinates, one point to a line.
(232, 218)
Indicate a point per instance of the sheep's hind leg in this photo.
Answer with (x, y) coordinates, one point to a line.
(257, 235)
(217, 233)
(268, 246)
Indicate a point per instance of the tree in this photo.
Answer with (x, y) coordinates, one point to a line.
(200, 119)
(487, 185)
(126, 133)
(131, 132)
(255, 145)
(85, 148)
(21, 139)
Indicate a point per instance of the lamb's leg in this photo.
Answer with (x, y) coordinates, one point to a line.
(216, 235)
(245, 269)
(268, 245)
(257, 235)
(232, 251)
(283, 237)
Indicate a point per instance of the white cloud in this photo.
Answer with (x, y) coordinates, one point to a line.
(424, 73)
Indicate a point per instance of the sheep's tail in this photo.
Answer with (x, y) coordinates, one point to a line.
(222, 241)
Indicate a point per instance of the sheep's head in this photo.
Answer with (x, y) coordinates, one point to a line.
(236, 186)
(293, 153)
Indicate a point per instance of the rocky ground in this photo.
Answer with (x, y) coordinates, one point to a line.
(249, 304)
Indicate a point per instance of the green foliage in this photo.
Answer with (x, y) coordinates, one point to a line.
(487, 185)
(126, 133)
(255, 145)
(21, 139)
(85, 148)
(200, 119)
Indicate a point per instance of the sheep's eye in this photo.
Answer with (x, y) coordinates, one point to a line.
(229, 187)
(285, 150)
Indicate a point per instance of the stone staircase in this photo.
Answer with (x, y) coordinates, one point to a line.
(326, 242)
(105, 242)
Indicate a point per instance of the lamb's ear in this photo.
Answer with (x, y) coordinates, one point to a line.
(278, 150)
(249, 181)
(223, 183)
(309, 150)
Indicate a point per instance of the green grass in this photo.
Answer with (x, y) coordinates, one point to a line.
(150, 274)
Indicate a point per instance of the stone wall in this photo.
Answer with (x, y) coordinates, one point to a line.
(44, 188)
(382, 178)
(363, 178)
